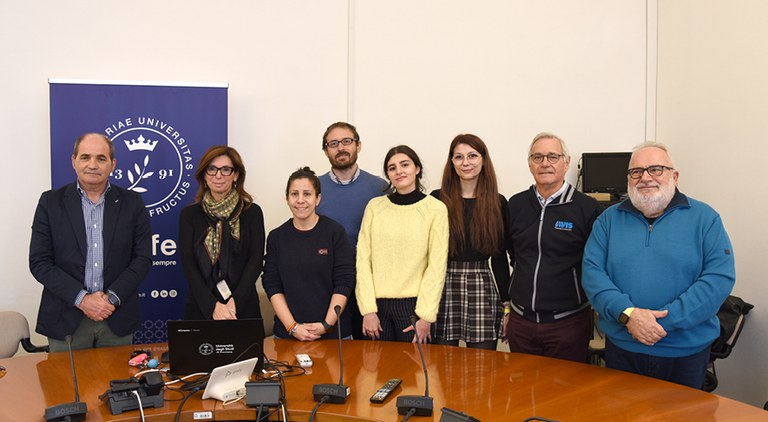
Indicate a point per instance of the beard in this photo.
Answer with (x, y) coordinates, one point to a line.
(652, 204)
(346, 164)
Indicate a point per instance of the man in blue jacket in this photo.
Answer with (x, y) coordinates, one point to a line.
(657, 268)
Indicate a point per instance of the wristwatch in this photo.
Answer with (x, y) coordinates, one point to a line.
(328, 327)
(624, 317)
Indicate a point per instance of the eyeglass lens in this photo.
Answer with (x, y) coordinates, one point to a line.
(637, 172)
(225, 171)
(471, 158)
(335, 143)
(539, 158)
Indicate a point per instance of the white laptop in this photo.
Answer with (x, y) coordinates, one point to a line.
(226, 381)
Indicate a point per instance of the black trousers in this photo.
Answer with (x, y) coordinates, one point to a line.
(395, 316)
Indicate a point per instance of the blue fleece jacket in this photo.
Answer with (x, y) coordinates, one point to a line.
(683, 263)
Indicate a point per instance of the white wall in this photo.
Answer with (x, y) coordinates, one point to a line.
(712, 103)
(415, 73)
(404, 72)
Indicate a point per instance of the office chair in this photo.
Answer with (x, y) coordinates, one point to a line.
(267, 311)
(14, 329)
(732, 316)
(596, 351)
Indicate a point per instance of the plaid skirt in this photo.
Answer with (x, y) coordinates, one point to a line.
(470, 308)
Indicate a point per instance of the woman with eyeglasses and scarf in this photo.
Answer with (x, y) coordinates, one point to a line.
(222, 241)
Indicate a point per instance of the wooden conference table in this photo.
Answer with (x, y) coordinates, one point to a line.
(490, 386)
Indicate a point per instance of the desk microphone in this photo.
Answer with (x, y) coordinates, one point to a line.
(335, 393)
(417, 405)
(68, 412)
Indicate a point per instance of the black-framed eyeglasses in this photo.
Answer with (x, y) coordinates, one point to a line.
(637, 172)
(552, 158)
(225, 171)
(344, 141)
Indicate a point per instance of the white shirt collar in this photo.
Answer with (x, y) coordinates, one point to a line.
(343, 182)
(545, 201)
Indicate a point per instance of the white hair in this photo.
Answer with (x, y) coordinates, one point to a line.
(654, 144)
(548, 135)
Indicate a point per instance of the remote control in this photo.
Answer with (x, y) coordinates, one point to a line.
(304, 360)
(385, 390)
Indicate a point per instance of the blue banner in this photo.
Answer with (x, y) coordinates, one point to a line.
(159, 132)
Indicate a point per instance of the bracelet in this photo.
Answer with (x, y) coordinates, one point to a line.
(295, 327)
(507, 311)
(291, 328)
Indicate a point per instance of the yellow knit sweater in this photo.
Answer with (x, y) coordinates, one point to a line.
(402, 251)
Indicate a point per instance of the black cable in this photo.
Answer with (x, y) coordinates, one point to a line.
(283, 399)
(181, 405)
(279, 368)
(409, 414)
(175, 390)
(287, 370)
(317, 406)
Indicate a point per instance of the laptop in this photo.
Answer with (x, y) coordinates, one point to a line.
(202, 345)
(228, 382)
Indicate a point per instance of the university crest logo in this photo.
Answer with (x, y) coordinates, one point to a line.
(153, 159)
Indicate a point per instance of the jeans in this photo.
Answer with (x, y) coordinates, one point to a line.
(685, 370)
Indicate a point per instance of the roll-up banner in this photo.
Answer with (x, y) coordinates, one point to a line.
(160, 131)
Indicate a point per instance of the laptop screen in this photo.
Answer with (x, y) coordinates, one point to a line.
(200, 346)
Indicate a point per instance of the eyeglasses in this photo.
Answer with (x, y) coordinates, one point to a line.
(472, 158)
(335, 144)
(637, 172)
(552, 158)
(225, 171)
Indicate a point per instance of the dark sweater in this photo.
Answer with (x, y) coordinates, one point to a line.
(309, 267)
(499, 263)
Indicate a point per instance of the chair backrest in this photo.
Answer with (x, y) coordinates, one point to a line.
(731, 316)
(13, 328)
(267, 311)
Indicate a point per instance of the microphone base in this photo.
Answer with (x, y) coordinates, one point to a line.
(75, 411)
(422, 404)
(338, 393)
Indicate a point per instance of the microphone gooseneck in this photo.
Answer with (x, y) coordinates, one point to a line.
(337, 308)
(68, 339)
(421, 353)
(417, 405)
(74, 411)
(333, 393)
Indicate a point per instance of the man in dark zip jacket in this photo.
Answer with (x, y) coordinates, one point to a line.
(548, 227)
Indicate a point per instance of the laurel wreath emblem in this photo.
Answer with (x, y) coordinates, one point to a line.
(141, 174)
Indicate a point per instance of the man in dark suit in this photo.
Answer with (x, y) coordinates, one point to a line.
(90, 250)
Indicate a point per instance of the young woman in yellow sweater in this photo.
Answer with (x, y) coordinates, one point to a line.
(402, 253)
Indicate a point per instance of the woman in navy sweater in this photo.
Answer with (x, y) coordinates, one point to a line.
(310, 266)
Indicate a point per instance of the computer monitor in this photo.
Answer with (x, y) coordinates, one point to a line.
(605, 172)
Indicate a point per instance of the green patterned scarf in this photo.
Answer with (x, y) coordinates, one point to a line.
(225, 210)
